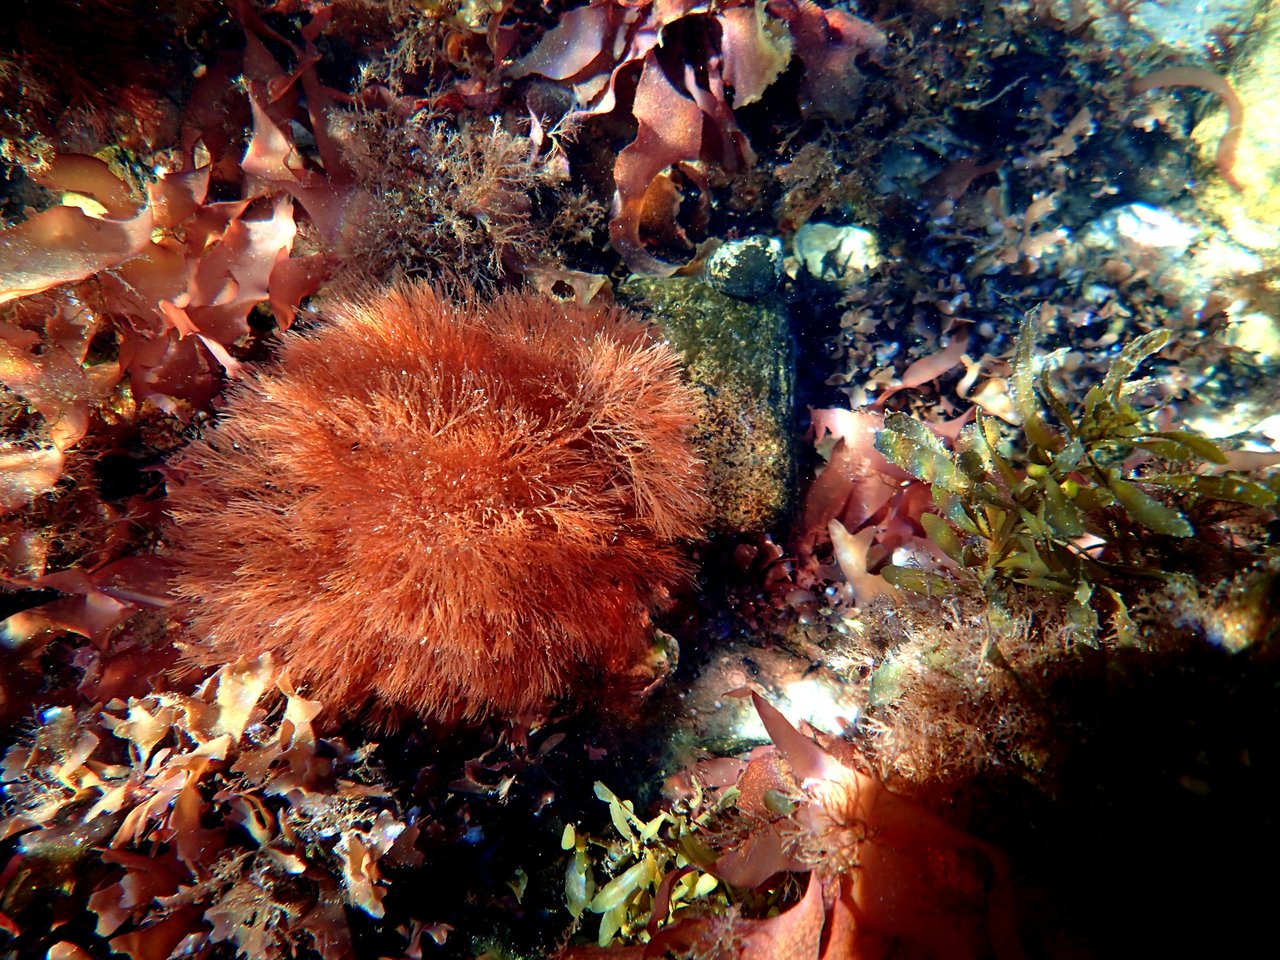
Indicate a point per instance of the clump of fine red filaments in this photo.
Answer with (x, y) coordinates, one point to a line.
(454, 508)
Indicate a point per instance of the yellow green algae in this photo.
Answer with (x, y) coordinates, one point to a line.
(741, 357)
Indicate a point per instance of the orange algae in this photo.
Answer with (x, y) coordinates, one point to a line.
(456, 509)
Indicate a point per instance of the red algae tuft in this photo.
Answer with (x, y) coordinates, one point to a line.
(454, 509)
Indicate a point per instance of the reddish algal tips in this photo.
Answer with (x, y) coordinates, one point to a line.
(454, 509)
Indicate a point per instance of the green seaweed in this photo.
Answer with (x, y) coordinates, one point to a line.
(637, 861)
(1060, 511)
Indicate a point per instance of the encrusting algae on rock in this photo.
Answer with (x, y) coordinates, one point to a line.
(741, 357)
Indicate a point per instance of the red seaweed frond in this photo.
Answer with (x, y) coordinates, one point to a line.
(1213, 83)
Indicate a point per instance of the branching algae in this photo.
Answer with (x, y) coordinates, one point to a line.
(1091, 496)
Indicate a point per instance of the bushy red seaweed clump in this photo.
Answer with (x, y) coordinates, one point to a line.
(454, 508)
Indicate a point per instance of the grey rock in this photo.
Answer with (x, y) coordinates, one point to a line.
(746, 269)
